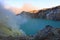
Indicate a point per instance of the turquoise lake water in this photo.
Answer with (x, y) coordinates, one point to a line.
(34, 25)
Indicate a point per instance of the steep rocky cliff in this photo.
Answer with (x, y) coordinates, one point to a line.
(49, 13)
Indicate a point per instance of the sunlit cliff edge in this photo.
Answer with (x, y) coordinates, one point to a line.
(48, 13)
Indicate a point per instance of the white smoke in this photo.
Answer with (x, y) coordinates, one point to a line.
(8, 18)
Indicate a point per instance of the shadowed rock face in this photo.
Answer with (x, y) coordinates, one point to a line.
(48, 33)
(54, 14)
(50, 13)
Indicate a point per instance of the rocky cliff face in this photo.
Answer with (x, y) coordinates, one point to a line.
(50, 13)
(48, 33)
(54, 14)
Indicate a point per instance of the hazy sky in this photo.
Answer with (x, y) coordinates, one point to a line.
(36, 3)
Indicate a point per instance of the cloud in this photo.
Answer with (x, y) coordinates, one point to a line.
(25, 7)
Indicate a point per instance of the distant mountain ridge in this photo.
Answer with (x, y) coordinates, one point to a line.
(49, 13)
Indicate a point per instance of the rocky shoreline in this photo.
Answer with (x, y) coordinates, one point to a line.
(48, 33)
